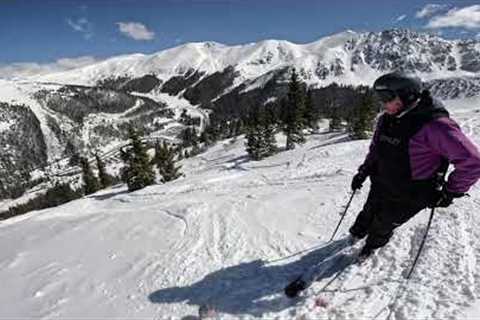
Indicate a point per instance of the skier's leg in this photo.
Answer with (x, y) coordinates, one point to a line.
(392, 215)
(364, 219)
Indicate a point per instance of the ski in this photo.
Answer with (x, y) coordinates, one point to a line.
(331, 267)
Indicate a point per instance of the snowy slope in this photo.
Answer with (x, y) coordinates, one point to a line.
(225, 235)
(20, 92)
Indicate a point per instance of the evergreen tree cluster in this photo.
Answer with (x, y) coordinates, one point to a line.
(91, 183)
(188, 120)
(260, 134)
(190, 142)
(165, 161)
(59, 194)
(295, 114)
(361, 119)
(138, 172)
(299, 113)
(333, 102)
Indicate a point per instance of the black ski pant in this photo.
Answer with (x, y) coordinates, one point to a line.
(381, 214)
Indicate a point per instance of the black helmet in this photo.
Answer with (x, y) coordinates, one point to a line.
(393, 85)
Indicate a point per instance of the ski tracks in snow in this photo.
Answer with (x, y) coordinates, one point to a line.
(442, 285)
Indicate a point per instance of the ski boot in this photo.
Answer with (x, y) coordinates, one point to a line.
(295, 287)
(364, 254)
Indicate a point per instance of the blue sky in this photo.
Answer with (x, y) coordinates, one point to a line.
(47, 31)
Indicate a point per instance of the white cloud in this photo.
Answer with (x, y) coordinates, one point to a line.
(430, 9)
(401, 18)
(82, 25)
(135, 30)
(468, 18)
(26, 69)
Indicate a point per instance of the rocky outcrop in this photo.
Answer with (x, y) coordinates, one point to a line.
(176, 84)
(211, 86)
(143, 84)
(452, 88)
(22, 143)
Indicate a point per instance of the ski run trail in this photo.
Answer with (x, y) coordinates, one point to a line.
(231, 234)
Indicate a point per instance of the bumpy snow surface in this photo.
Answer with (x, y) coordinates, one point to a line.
(232, 234)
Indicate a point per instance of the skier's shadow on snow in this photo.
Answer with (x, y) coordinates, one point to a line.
(254, 287)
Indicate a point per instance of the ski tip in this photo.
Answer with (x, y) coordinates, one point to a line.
(321, 302)
(206, 311)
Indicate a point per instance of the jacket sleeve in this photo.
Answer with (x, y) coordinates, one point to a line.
(446, 139)
(370, 163)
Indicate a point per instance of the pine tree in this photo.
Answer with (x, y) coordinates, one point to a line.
(335, 121)
(333, 114)
(205, 138)
(91, 183)
(253, 136)
(211, 130)
(59, 194)
(269, 140)
(188, 136)
(312, 114)
(106, 180)
(165, 161)
(138, 172)
(239, 127)
(294, 113)
(260, 135)
(362, 116)
(74, 160)
(179, 152)
(195, 148)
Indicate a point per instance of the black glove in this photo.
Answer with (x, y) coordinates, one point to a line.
(358, 180)
(444, 198)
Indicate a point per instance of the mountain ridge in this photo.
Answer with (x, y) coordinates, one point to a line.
(340, 54)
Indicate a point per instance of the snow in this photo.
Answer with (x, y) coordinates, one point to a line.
(177, 104)
(20, 92)
(4, 126)
(232, 234)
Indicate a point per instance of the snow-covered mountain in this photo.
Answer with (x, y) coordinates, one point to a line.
(348, 57)
(88, 109)
(232, 234)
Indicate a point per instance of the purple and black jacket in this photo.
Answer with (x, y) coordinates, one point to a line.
(407, 152)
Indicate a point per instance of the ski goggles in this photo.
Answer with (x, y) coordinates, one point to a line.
(385, 95)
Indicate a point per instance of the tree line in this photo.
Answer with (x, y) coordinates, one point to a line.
(345, 107)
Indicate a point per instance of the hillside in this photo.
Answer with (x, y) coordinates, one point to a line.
(225, 235)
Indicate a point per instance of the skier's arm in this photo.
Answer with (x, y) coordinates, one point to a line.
(446, 139)
(370, 162)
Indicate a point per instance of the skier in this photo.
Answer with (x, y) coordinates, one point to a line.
(413, 144)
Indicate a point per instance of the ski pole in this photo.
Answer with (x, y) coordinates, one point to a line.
(439, 183)
(343, 215)
(422, 243)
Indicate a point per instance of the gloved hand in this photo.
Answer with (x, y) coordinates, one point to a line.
(358, 180)
(444, 198)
